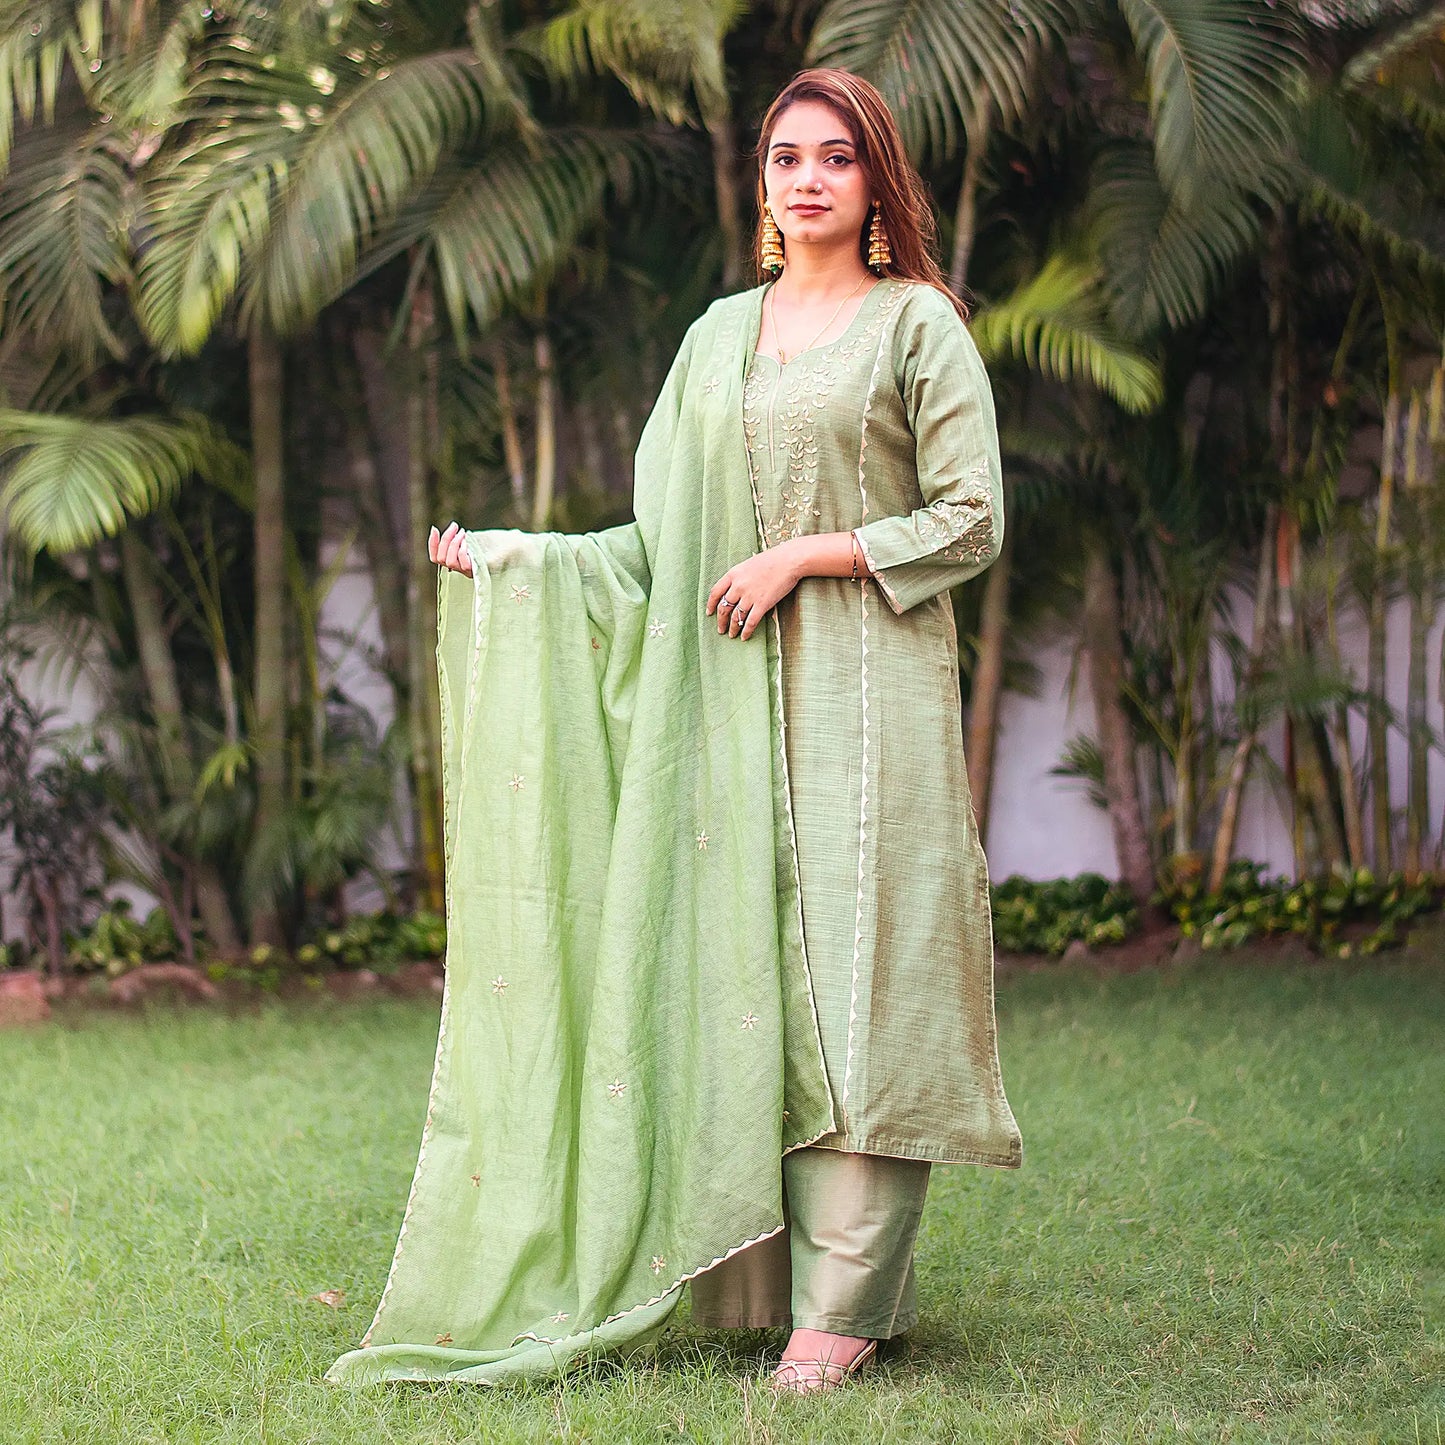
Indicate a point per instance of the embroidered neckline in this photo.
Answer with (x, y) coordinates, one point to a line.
(843, 335)
(796, 396)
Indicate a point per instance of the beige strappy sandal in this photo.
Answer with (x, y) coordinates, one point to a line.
(808, 1377)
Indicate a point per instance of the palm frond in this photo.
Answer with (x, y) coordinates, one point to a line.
(288, 183)
(1419, 30)
(41, 378)
(509, 222)
(932, 59)
(362, 164)
(70, 480)
(1305, 686)
(144, 81)
(1398, 113)
(1057, 323)
(659, 51)
(500, 79)
(1223, 78)
(63, 211)
(1082, 760)
(37, 40)
(1368, 185)
(1163, 258)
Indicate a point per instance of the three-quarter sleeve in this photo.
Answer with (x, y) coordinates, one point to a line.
(958, 529)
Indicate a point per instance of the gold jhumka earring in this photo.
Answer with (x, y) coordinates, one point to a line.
(878, 253)
(772, 241)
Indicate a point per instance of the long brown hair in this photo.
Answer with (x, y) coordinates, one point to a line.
(903, 200)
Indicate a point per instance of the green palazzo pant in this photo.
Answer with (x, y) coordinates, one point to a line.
(843, 1264)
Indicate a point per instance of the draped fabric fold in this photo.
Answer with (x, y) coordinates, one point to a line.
(628, 1042)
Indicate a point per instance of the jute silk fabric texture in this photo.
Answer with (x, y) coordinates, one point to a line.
(629, 1036)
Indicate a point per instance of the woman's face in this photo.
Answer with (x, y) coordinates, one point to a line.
(815, 186)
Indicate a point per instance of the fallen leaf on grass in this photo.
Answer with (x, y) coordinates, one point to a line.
(335, 1298)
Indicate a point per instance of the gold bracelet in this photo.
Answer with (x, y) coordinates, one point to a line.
(853, 538)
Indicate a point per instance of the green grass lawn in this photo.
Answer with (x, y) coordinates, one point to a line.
(1230, 1225)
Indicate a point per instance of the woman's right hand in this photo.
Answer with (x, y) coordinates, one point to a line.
(449, 549)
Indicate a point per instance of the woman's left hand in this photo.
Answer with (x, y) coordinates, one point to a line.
(745, 594)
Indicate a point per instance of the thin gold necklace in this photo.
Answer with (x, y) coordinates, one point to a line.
(783, 358)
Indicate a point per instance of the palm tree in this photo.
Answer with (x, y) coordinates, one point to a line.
(667, 55)
(75, 472)
(411, 145)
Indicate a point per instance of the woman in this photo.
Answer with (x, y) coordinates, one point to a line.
(716, 895)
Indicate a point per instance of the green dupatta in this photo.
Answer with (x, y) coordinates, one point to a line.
(627, 1042)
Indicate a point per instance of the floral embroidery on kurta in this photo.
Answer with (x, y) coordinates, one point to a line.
(794, 408)
(520, 594)
(963, 529)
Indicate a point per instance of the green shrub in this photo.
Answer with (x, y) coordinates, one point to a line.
(118, 941)
(1348, 912)
(1033, 917)
(379, 941)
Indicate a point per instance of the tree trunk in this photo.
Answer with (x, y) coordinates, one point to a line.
(965, 218)
(157, 664)
(1422, 619)
(383, 394)
(511, 434)
(987, 691)
(1318, 842)
(158, 670)
(589, 444)
(1310, 758)
(268, 468)
(625, 439)
(1185, 860)
(49, 899)
(545, 485)
(725, 185)
(423, 691)
(1339, 735)
(388, 575)
(1104, 646)
(1276, 267)
(1223, 853)
(381, 461)
(1338, 726)
(1375, 664)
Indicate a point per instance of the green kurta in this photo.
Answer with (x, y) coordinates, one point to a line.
(631, 1035)
(888, 429)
